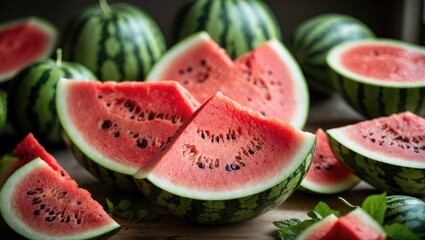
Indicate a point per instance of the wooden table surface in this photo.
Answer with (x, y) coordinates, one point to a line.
(327, 113)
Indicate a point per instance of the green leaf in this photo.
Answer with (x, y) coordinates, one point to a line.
(109, 204)
(124, 205)
(376, 206)
(397, 231)
(324, 210)
(286, 222)
(315, 215)
(127, 214)
(291, 232)
(142, 213)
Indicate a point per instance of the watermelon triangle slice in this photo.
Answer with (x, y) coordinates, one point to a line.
(24, 41)
(267, 79)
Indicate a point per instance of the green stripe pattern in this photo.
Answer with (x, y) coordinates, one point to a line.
(31, 98)
(373, 101)
(236, 25)
(313, 39)
(107, 176)
(406, 210)
(119, 46)
(3, 110)
(383, 176)
(226, 211)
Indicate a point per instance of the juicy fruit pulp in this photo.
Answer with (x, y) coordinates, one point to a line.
(266, 79)
(126, 124)
(227, 158)
(387, 152)
(327, 175)
(37, 202)
(22, 42)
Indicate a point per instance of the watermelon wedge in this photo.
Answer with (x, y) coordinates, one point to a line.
(126, 123)
(267, 79)
(227, 163)
(24, 41)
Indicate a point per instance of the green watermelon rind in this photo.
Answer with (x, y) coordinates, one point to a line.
(230, 210)
(14, 222)
(46, 26)
(315, 226)
(383, 172)
(122, 46)
(3, 110)
(300, 85)
(236, 29)
(406, 210)
(31, 97)
(312, 187)
(374, 98)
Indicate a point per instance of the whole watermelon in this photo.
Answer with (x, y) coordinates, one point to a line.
(31, 97)
(315, 37)
(117, 42)
(237, 26)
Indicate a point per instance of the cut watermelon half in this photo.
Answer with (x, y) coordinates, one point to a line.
(114, 128)
(24, 41)
(38, 203)
(267, 79)
(327, 175)
(227, 163)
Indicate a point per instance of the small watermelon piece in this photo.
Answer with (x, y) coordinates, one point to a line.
(26, 150)
(387, 152)
(24, 41)
(238, 26)
(125, 125)
(319, 230)
(327, 175)
(315, 37)
(266, 79)
(227, 163)
(406, 210)
(38, 203)
(379, 77)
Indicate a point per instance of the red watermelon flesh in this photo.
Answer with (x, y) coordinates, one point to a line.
(266, 79)
(386, 63)
(327, 174)
(22, 42)
(397, 139)
(225, 150)
(122, 124)
(37, 202)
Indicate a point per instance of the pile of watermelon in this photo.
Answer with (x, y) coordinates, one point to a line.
(212, 129)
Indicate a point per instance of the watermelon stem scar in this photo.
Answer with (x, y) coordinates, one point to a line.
(59, 57)
(105, 7)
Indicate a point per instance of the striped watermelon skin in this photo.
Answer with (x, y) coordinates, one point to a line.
(373, 101)
(122, 45)
(383, 176)
(107, 176)
(31, 98)
(315, 37)
(236, 25)
(407, 210)
(226, 211)
(3, 109)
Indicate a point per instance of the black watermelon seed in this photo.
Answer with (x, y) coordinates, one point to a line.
(210, 166)
(78, 203)
(201, 165)
(228, 168)
(106, 124)
(250, 151)
(233, 136)
(36, 200)
(181, 71)
(189, 69)
(142, 143)
(202, 135)
(42, 206)
(234, 166)
(151, 116)
(50, 218)
(117, 134)
(31, 192)
(51, 212)
(203, 62)
(37, 212)
(263, 113)
(217, 139)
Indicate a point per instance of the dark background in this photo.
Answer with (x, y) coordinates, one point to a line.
(387, 18)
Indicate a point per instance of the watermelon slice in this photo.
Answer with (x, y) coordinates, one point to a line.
(39, 203)
(327, 175)
(227, 163)
(26, 150)
(267, 79)
(125, 125)
(320, 229)
(24, 41)
(387, 152)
